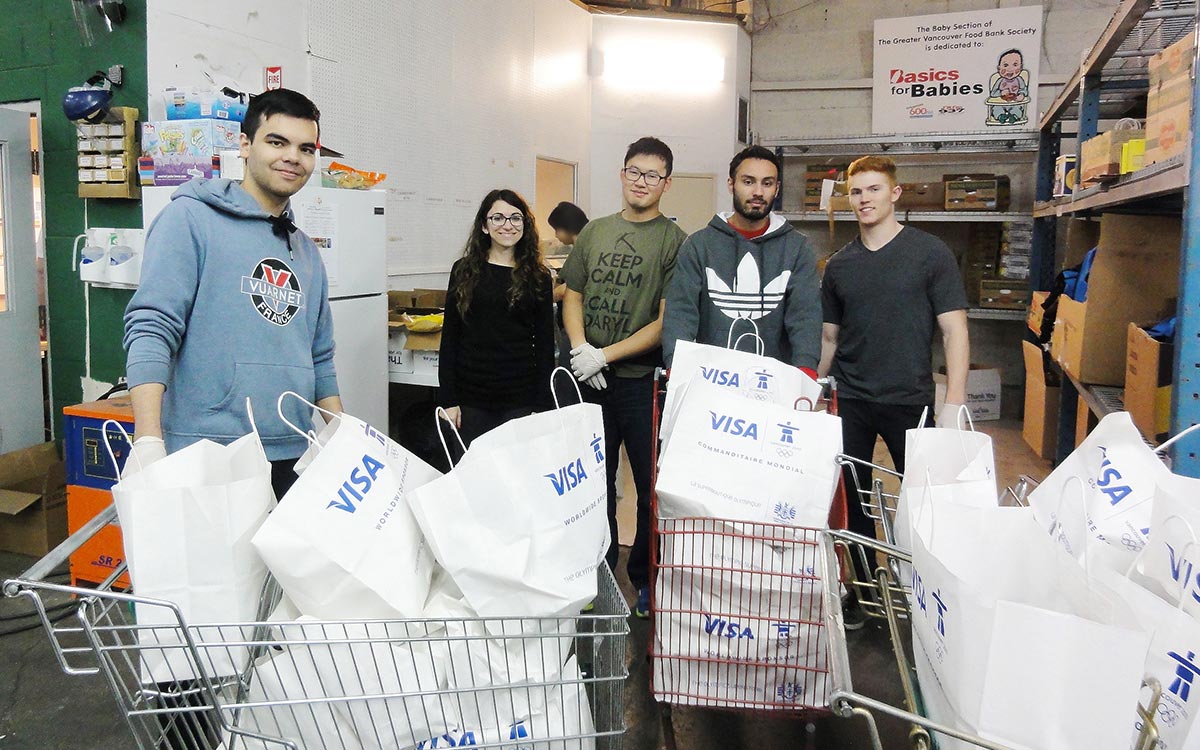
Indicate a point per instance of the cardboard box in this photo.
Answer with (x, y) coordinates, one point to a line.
(95, 561)
(1134, 278)
(1040, 425)
(175, 151)
(1082, 236)
(921, 196)
(983, 393)
(193, 103)
(973, 274)
(1036, 312)
(1085, 421)
(1101, 156)
(977, 192)
(1064, 176)
(1004, 294)
(1133, 155)
(33, 500)
(1168, 102)
(1148, 376)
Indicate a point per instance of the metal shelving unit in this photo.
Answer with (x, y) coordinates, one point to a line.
(1110, 83)
(948, 217)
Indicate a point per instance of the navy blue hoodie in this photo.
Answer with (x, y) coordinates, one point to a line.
(229, 307)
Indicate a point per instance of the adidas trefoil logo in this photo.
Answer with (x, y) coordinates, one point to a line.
(747, 299)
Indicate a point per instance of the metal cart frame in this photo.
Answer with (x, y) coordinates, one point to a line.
(338, 684)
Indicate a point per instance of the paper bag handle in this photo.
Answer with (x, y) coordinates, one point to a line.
(1194, 543)
(1171, 441)
(731, 343)
(571, 377)
(1058, 524)
(306, 434)
(441, 416)
(108, 446)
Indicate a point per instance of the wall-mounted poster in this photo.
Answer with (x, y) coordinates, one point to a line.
(957, 72)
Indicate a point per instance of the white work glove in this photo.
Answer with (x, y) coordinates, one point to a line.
(586, 361)
(146, 450)
(597, 381)
(948, 417)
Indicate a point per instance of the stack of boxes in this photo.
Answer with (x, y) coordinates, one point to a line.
(1016, 243)
(979, 260)
(813, 179)
(1168, 104)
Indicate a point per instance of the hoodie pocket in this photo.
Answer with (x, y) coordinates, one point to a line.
(263, 383)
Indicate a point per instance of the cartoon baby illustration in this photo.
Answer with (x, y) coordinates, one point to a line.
(1008, 90)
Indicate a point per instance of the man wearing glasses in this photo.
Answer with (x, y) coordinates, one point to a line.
(612, 310)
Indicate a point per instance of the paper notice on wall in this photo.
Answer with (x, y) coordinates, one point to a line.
(318, 219)
(957, 72)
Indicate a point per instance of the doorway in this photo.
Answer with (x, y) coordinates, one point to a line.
(554, 183)
(24, 381)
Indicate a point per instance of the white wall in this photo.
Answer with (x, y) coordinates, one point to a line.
(699, 124)
(224, 42)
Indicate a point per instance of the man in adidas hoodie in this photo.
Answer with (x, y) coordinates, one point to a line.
(748, 265)
(233, 302)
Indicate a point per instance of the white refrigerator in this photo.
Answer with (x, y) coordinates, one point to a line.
(350, 228)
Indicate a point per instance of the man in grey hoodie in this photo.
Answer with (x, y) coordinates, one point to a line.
(748, 265)
(234, 302)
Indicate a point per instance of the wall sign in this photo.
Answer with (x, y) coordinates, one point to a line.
(274, 77)
(957, 72)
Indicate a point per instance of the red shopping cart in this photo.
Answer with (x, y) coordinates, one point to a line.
(754, 588)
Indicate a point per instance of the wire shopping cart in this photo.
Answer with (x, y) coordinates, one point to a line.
(758, 588)
(352, 685)
(885, 593)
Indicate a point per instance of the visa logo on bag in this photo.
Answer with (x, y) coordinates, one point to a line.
(737, 427)
(1109, 478)
(720, 377)
(1182, 570)
(721, 627)
(567, 477)
(458, 739)
(357, 485)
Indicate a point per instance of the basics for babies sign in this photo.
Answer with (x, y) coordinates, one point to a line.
(957, 72)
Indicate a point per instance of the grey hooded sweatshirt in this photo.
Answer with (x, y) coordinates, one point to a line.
(720, 277)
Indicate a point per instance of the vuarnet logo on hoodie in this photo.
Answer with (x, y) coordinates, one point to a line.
(274, 290)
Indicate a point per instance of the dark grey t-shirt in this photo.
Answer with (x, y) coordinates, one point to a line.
(886, 303)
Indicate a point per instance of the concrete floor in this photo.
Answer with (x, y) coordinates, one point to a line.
(43, 709)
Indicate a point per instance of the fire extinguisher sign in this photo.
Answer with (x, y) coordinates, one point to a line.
(274, 76)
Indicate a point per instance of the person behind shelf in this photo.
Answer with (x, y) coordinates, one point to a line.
(616, 277)
(497, 349)
(567, 220)
(749, 264)
(234, 302)
(882, 295)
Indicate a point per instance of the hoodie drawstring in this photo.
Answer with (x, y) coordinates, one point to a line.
(283, 226)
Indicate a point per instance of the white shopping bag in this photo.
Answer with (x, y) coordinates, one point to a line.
(357, 663)
(551, 713)
(186, 522)
(742, 460)
(945, 465)
(1175, 641)
(1119, 473)
(343, 542)
(987, 585)
(750, 375)
(288, 674)
(521, 522)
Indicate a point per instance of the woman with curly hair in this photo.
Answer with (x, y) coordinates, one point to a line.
(497, 347)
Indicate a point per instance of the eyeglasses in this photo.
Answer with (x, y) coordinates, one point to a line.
(497, 220)
(633, 174)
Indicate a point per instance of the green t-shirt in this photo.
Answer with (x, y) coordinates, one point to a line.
(622, 269)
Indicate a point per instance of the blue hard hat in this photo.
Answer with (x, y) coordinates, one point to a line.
(87, 103)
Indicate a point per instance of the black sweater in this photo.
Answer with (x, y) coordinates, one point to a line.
(497, 357)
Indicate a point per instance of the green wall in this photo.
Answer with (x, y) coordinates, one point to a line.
(41, 56)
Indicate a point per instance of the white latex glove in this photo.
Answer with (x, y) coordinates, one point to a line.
(586, 361)
(948, 417)
(146, 450)
(597, 381)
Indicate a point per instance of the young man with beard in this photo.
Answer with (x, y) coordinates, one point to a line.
(749, 264)
(883, 295)
(234, 303)
(616, 276)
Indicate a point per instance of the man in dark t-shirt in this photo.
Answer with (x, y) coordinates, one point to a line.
(882, 295)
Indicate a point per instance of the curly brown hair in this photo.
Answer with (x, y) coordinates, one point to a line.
(530, 276)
